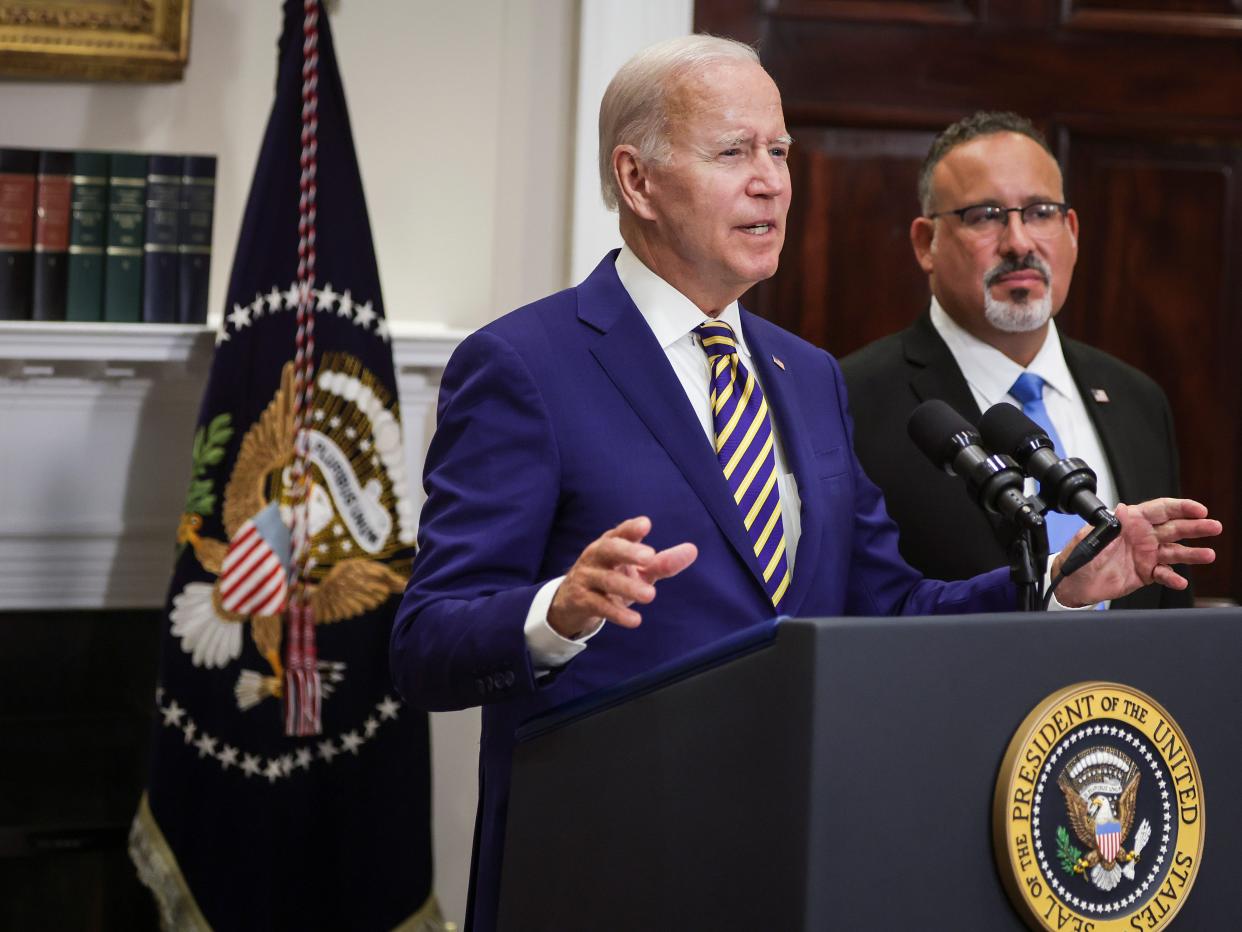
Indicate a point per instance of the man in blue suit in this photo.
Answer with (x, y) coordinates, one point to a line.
(615, 436)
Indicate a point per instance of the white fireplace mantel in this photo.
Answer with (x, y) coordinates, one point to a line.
(96, 423)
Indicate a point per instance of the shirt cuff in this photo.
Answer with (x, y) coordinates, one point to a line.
(549, 649)
(1054, 605)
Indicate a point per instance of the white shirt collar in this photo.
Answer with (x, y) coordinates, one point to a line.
(991, 373)
(669, 313)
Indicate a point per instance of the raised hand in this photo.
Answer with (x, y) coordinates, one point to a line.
(614, 571)
(1150, 542)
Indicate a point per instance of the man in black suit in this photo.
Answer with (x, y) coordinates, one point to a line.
(998, 245)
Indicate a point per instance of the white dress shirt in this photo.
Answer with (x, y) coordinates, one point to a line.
(672, 318)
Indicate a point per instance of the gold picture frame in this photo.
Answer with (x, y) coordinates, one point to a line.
(95, 40)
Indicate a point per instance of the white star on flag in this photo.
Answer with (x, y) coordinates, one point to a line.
(388, 708)
(350, 741)
(250, 765)
(364, 314)
(326, 297)
(304, 758)
(227, 756)
(222, 335)
(291, 297)
(345, 307)
(327, 750)
(381, 329)
(371, 726)
(274, 299)
(272, 771)
(172, 713)
(240, 316)
(257, 305)
(189, 728)
(206, 745)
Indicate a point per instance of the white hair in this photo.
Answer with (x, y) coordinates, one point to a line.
(634, 109)
(1017, 316)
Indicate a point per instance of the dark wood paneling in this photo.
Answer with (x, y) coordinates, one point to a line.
(848, 237)
(1140, 100)
(1191, 7)
(1162, 17)
(1157, 285)
(939, 12)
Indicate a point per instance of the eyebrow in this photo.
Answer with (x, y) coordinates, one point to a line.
(737, 139)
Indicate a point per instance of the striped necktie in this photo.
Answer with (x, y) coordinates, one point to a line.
(745, 449)
(1029, 389)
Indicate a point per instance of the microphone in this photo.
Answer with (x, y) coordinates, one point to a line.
(995, 482)
(1066, 485)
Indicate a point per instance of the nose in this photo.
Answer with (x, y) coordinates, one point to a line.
(769, 177)
(1015, 239)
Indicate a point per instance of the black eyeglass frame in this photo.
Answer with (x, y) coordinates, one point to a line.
(1062, 207)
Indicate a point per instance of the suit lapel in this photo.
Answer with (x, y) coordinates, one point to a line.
(778, 385)
(1114, 423)
(634, 361)
(935, 371)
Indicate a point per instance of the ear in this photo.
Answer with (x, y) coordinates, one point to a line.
(633, 177)
(1071, 222)
(922, 233)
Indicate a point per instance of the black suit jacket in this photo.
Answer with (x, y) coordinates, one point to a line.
(944, 534)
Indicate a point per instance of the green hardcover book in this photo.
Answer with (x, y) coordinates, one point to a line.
(88, 235)
(127, 204)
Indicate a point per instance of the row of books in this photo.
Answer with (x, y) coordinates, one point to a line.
(113, 236)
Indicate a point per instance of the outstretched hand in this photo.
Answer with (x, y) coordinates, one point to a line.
(614, 571)
(1143, 554)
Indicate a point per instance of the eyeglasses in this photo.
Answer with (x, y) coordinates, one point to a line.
(1040, 219)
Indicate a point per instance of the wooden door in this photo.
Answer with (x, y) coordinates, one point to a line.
(1142, 102)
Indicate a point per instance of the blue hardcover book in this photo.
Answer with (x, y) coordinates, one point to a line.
(198, 197)
(160, 258)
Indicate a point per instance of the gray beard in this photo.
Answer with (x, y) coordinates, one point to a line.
(1017, 316)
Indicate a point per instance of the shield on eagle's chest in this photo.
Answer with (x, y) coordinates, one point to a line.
(254, 575)
(1108, 840)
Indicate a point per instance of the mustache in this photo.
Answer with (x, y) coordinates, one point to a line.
(1010, 264)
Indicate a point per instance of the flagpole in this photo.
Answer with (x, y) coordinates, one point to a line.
(302, 686)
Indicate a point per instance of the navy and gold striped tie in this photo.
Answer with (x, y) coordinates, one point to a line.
(745, 447)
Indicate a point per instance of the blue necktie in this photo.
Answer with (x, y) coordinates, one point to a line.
(1029, 389)
(745, 449)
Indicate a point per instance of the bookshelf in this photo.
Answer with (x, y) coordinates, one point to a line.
(97, 420)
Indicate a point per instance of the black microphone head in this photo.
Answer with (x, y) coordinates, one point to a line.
(1007, 430)
(938, 431)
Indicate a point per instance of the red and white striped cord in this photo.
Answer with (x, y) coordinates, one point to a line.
(302, 687)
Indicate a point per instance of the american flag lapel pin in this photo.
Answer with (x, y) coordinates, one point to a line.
(776, 359)
(1100, 396)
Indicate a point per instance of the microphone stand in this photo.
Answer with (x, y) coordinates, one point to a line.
(1028, 555)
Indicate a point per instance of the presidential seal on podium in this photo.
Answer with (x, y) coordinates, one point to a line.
(1098, 813)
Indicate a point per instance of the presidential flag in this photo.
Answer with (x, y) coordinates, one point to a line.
(289, 786)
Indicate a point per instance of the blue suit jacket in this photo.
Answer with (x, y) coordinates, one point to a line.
(564, 418)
